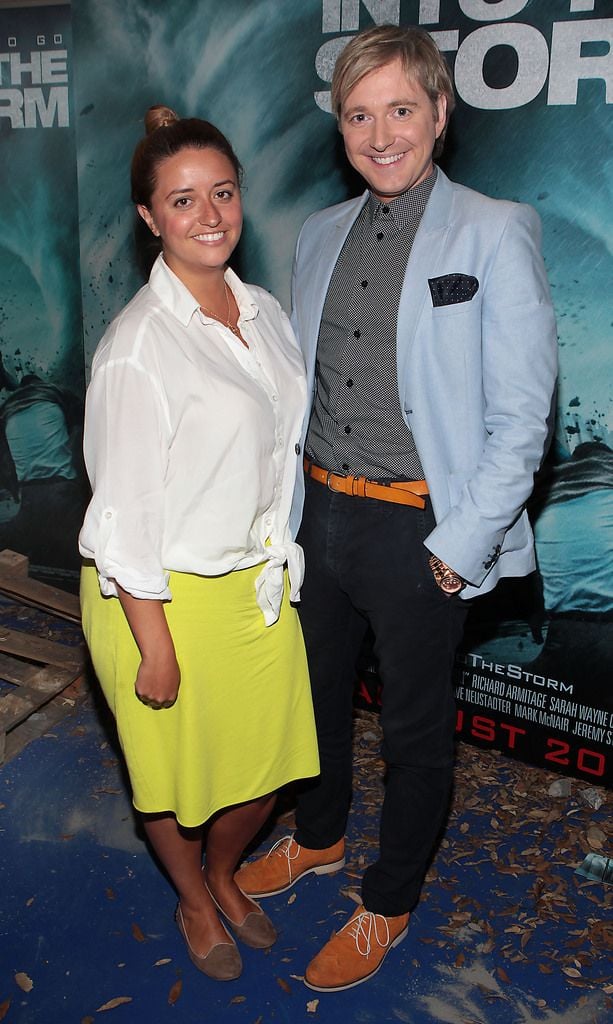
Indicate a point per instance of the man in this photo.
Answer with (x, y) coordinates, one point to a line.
(424, 315)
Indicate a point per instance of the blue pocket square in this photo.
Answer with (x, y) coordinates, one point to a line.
(452, 288)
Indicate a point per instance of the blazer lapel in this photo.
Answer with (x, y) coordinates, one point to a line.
(426, 253)
(318, 266)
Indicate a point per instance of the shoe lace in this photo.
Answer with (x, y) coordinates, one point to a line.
(364, 928)
(282, 848)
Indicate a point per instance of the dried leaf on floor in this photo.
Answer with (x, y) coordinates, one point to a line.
(25, 983)
(175, 992)
(238, 999)
(351, 894)
(312, 1005)
(164, 960)
(4, 1008)
(113, 1003)
(283, 984)
(596, 838)
(137, 932)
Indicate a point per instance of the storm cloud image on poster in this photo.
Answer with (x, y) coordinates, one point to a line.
(254, 69)
(42, 491)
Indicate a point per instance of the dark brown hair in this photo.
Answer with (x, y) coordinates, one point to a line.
(166, 135)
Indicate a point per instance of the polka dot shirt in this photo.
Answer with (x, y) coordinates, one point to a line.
(357, 425)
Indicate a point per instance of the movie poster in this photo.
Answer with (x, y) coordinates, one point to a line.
(533, 123)
(535, 84)
(41, 367)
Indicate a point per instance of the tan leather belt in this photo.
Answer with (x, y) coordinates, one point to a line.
(404, 492)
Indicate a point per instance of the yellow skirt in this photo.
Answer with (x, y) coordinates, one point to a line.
(242, 725)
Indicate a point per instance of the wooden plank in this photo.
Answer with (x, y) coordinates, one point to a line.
(31, 687)
(36, 725)
(23, 700)
(41, 595)
(16, 710)
(15, 671)
(13, 564)
(49, 681)
(36, 649)
(16, 706)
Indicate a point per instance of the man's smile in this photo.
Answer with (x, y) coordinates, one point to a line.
(384, 160)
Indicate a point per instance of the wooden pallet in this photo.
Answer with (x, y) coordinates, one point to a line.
(36, 668)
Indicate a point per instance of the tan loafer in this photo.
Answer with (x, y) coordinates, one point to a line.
(255, 930)
(223, 960)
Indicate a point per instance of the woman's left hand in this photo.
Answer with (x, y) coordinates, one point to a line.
(158, 679)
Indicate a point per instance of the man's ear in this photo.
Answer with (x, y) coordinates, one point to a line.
(148, 219)
(441, 114)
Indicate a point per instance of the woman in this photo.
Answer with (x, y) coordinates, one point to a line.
(192, 420)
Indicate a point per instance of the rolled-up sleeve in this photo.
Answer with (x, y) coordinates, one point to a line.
(126, 452)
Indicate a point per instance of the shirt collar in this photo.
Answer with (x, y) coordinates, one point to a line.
(182, 304)
(405, 209)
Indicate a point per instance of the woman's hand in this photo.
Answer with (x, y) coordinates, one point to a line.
(158, 677)
(157, 681)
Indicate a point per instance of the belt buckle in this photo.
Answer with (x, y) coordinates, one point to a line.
(328, 475)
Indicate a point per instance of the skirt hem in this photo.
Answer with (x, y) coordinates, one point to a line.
(244, 800)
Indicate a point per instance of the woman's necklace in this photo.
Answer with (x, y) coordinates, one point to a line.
(226, 322)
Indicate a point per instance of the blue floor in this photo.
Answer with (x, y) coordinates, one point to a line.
(506, 931)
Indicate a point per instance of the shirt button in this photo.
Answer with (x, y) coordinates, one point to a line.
(349, 383)
(385, 209)
(108, 515)
(275, 398)
(357, 333)
(347, 429)
(364, 284)
(379, 235)
(297, 449)
(345, 466)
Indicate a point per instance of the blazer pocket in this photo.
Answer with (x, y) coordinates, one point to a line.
(452, 289)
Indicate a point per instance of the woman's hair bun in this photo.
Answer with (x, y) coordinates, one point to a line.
(159, 117)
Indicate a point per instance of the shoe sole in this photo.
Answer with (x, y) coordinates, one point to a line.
(321, 869)
(352, 984)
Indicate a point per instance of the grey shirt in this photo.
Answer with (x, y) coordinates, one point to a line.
(357, 424)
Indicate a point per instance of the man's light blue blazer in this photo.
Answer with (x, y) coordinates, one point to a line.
(475, 378)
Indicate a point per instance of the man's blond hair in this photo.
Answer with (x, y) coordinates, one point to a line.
(374, 48)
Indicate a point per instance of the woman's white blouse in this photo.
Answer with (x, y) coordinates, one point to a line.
(192, 443)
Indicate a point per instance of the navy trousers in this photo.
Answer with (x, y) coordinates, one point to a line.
(366, 564)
